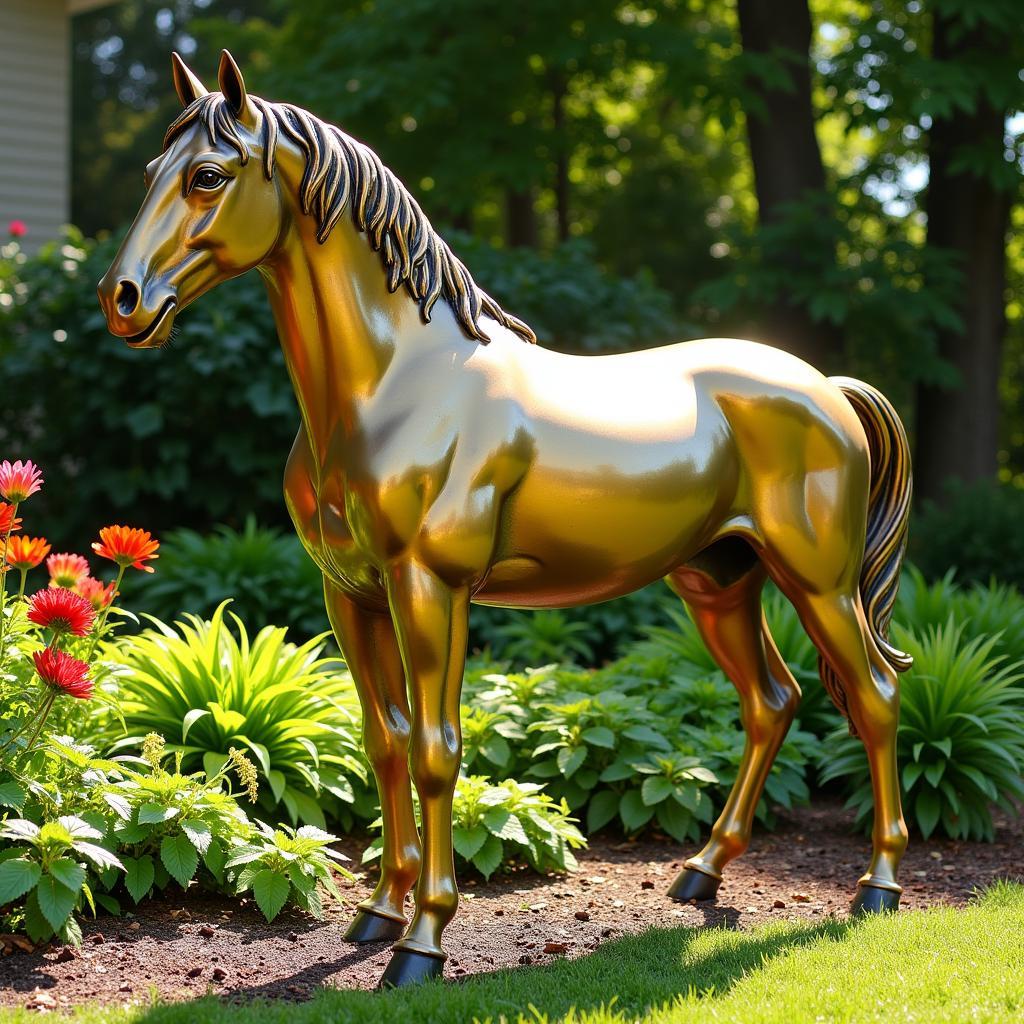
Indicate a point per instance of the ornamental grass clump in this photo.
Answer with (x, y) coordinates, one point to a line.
(960, 740)
(207, 687)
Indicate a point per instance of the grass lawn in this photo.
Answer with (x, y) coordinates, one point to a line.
(937, 965)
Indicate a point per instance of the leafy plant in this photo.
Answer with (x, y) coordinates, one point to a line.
(294, 712)
(960, 740)
(540, 637)
(499, 823)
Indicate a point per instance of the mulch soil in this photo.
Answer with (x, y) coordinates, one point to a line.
(186, 945)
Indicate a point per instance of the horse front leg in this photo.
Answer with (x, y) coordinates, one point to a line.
(368, 642)
(431, 621)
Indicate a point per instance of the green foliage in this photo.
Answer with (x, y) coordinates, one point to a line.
(130, 828)
(960, 741)
(976, 532)
(266, 574)
(207, 690)
(500, 823)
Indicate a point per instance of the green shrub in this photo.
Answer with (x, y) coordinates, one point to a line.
(296, 714)
(960, 740)
(98, 832)
(976, 531)
(508, 821)
(266, 574)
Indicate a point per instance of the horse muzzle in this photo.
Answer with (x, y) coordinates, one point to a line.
(130, 318)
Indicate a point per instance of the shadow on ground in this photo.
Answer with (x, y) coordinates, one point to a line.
(630, 974)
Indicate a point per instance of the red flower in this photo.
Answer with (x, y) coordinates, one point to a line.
(8, 524)
(17, 229)
(19, 480)
(60, 670)
(61, 610)
(97, 593)
(127, 546)
(26, 552)
(67, 570)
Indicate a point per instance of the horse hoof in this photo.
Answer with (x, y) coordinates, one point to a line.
(694, 885)
(367, 926)
(408, 967)
(870, 899)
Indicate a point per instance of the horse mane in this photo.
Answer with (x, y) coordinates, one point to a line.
(342, 173)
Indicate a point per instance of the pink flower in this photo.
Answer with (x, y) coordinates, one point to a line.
(17, 229)
(19, 480)
(63, 672)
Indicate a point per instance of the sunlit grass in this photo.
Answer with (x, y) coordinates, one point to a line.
(941, 965)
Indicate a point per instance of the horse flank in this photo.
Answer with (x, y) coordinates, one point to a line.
(340, 174)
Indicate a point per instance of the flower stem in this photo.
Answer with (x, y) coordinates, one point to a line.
(102, 621)
(3, 581)
(42, 720)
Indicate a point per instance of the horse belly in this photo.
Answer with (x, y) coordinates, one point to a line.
(580, 535)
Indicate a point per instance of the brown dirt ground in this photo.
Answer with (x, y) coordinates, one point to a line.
(184, 945)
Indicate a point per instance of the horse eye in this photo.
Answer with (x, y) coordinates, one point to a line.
(208, 179)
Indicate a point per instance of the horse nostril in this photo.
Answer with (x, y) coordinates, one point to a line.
(127, 298)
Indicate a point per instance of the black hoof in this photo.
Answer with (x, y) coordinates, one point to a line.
(410, 968)
(693, 885)
(367, 926)
(870, 899)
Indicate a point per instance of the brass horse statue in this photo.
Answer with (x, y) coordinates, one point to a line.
(445, 458)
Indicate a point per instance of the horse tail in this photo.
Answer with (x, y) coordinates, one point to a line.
(888, 518)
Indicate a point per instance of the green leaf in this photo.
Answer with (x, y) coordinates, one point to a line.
(599, 736)
(139, 876)
(109, 904)
(180, 858)
(36, 924)
(570, 758)
(467, 841)
(633, 811)
(604, 805)
(655, 789)
(271, 891)
(11, 795)
(56, 900)
(154, 814)
(190, 719)
(68, 873)
(198, 832)
(214, 859)
(489, 856)
(505, 825)
(927, 809)
(675, 820)
(17, 877)
(213, 762)
(99, 856)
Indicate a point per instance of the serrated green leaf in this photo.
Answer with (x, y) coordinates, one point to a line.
(467, 841)
(198, 832)
(270, 888)
(155, 814)
(487, 859)
(139, 876)
(655, 789)
(56, 900)
(17, 877)
(180, 859)
(68, 873)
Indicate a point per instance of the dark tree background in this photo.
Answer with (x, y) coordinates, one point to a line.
(840, 179)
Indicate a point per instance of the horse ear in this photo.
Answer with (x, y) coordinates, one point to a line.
(233, 86)
(186, 85)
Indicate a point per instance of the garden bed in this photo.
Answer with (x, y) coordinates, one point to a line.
(184, 946)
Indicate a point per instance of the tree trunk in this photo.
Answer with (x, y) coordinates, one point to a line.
(561, 157)
(787, 164)
(957, 430)
(520, 219)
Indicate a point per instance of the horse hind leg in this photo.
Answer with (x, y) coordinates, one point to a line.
(722, 587)
(836, 623)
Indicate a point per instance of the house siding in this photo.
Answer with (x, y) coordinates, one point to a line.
(34, 117)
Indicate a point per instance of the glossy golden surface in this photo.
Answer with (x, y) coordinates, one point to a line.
(432, 469)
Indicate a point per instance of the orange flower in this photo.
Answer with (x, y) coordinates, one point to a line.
(127, 546)
(7, 521)
(67, 570)
(19, 480)
(63, 672)
(26, 552)
(62, 611)
(97, 593)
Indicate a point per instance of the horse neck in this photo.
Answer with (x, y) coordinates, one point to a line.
(339, 327)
